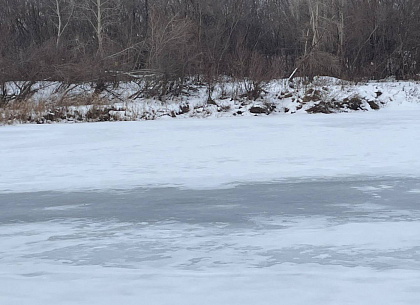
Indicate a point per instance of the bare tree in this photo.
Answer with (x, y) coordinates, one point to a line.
(101, 14)
(355, 38)
(62, 12)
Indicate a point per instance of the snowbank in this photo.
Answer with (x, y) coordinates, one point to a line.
(55, 102)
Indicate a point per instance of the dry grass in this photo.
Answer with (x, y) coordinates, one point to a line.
(82, 107)
(22, 112)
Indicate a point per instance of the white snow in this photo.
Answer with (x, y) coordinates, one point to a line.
(77, 262)
(210, 153)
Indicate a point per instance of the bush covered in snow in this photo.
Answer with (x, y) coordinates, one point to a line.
(47, 102)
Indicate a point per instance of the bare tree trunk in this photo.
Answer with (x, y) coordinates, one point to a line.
(341, 36)
(314, 13)
(99, 27)
(61, 25)
(146, 17)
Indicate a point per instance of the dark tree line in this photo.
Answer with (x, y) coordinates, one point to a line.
(95, 40)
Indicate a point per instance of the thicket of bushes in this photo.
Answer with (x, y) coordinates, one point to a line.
(102, 41)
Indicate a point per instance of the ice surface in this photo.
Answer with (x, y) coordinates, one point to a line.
(269, 210)
(323, 242)
(209, 153)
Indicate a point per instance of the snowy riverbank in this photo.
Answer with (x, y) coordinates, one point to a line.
(52, 102)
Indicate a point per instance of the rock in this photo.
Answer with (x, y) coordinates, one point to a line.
(355, 103)
(98, 114)
(317, 95)
(373, 105)
(321, 107)
(184, 108)
(338, 105)
(271, 107)
(312, 95)
(223, 108)
(265, 107)
(258, 109)
(49, 116)
(306, 99)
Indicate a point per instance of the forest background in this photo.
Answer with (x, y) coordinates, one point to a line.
(97, 41)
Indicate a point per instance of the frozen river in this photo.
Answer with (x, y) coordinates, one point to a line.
(316, 242)
(311, 237)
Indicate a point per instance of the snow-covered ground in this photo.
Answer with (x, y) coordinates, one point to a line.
(290, 209)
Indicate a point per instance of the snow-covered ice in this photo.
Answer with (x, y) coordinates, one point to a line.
(302, 209)
(295, 243)
(203, 153)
